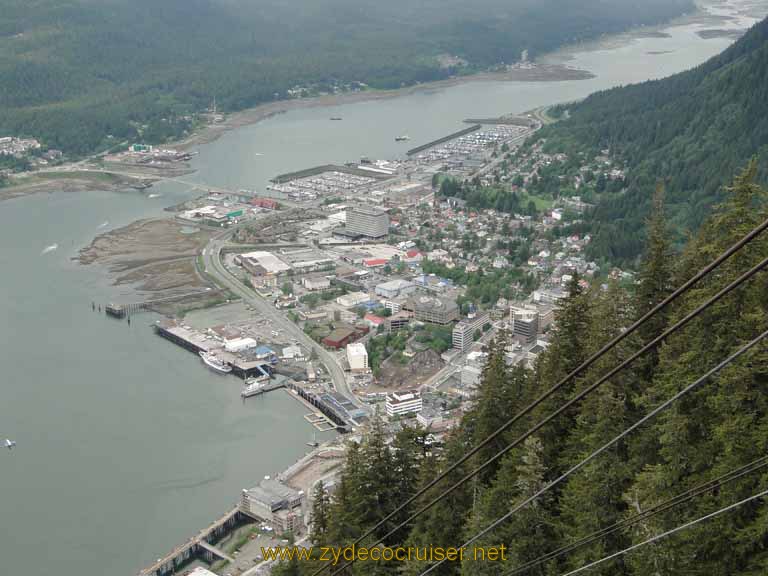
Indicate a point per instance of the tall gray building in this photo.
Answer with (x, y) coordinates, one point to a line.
(367, 221)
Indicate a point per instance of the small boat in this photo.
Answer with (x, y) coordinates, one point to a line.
(314, 443)
(215, 364)
(253, 387)
(403, 138)
(335, 118)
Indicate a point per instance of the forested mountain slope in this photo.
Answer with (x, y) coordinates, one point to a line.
(693, 129)
(75, 71)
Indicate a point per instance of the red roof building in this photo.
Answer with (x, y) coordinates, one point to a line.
(375, 262)
(267, 203)
(373, 320)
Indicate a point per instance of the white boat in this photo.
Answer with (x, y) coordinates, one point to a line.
(253, 387)
(403, 138)
(215, 364)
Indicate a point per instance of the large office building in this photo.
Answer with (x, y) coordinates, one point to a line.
(433, 310)
(525, 323)
(404, 402)
(367, 221)
(357, 356)
(464, 331)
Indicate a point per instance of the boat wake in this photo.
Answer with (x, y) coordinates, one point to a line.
(153, 195)
(49, 249)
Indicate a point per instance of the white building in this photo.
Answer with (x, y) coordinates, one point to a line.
(357, 356)
(405, 402)
(464, 331)
(240, 344)
(395, 288)
(316, 283)
(352, 299)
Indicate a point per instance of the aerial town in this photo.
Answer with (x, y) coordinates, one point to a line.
(371, 290)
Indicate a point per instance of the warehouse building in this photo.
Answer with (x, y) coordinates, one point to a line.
(395, 288)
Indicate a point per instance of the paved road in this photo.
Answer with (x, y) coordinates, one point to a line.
(215, 268)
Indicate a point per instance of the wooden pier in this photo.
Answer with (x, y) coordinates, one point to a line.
(201, 546)
(126, 310)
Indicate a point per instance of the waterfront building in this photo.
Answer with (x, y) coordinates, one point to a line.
(275, 503)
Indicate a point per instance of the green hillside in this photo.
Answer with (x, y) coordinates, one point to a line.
(75, 71)
(693, 130)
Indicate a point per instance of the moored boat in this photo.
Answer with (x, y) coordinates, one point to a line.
(215, 364)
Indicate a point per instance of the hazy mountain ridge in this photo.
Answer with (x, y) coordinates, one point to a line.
(77, 70)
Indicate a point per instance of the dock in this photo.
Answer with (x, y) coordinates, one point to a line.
(268, 387)
(283, 178)
(200, 546)
(196, 342)
(503, 121)
(439, 141)
(120, 311)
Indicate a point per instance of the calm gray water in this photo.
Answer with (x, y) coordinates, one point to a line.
(126, 445)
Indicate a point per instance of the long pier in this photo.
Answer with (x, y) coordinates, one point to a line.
(503, 121)
(123, 310)
(200, 546)
(439, 141)
(306, 173)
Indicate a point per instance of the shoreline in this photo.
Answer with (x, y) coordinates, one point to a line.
(550, 67)
(542, 72)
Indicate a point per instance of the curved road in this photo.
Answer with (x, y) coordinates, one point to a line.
(216, 269)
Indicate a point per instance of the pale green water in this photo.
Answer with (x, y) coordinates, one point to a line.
(127, 446)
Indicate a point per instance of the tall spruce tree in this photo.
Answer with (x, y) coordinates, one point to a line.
(320, 514)
(655, 281)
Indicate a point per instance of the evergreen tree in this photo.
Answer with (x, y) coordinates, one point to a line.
(654, 281)
(722, 425)
(320, 514)
(593, 497)
(567, 350)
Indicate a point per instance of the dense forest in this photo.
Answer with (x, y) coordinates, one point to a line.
(84, 75)
(717, 428)
(692, 130)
